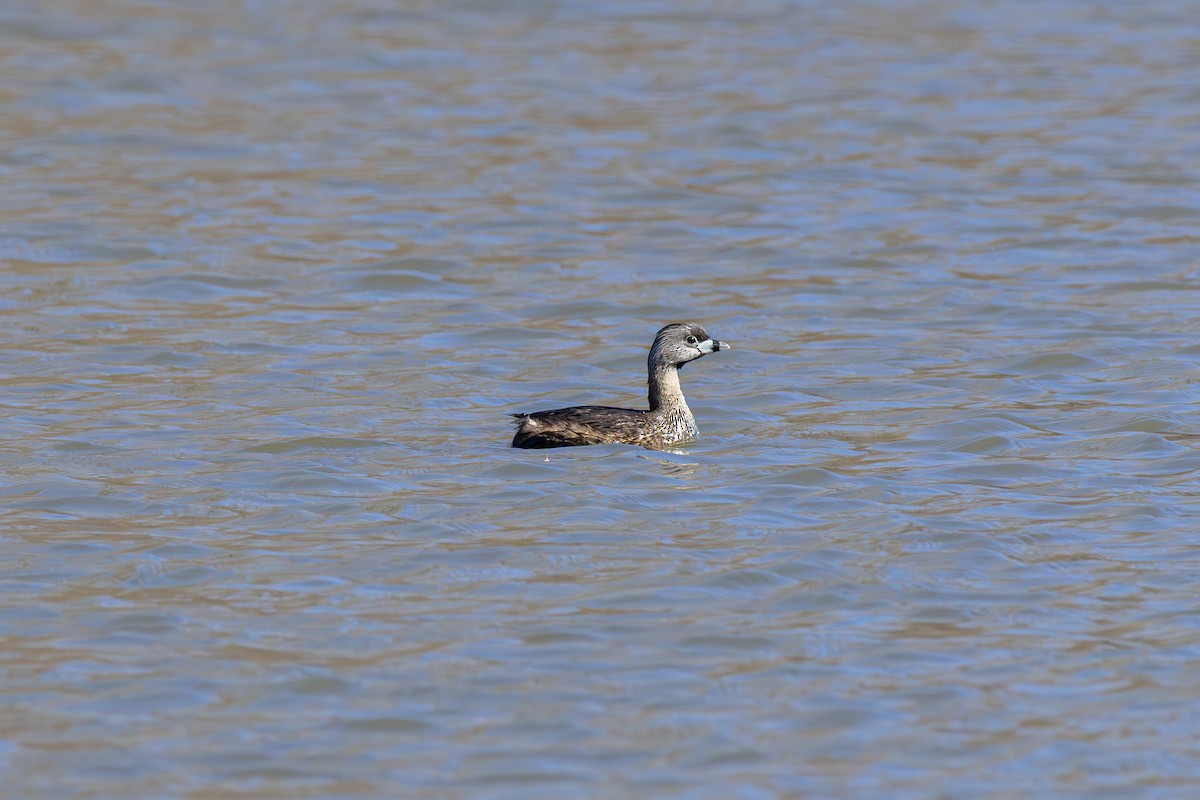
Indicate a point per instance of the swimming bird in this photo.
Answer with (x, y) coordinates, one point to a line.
(668, 420)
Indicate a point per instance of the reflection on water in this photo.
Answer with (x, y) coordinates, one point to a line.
(275, 274)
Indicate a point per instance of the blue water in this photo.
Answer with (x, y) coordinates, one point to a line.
(276, 273)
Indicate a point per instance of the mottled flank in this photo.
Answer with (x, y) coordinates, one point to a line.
(668, 421)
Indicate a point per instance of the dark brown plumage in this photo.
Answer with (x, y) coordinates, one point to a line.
(666, 422)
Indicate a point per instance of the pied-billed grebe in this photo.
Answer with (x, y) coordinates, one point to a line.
(668, 421)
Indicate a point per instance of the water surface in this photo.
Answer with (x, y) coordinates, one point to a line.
(276, 272)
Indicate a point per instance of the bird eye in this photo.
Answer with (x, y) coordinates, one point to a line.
(692, 340)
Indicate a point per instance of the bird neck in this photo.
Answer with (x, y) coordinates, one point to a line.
(665, 391)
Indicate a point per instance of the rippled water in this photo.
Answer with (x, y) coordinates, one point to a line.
(274, 274)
